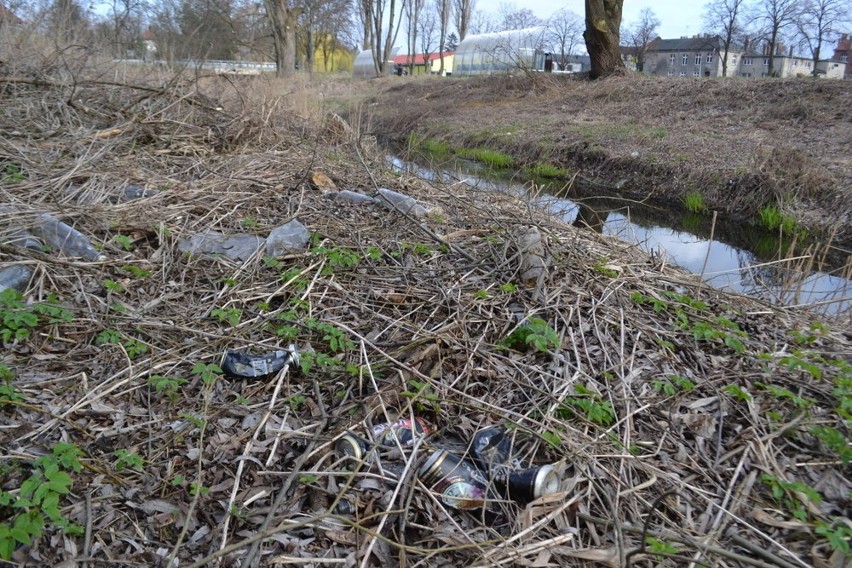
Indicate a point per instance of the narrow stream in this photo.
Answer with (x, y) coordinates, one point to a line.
(741, 257)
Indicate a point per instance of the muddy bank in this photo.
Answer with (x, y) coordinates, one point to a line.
(742, 145)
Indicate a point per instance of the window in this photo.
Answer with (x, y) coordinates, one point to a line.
(765, 61)
(795, 63)
(748, 61)
(709, 58)
(685, 59)
(734, 60)
(808, 64)
(672, 57)
(682, 74)
(844, 58)
(697, 72)
(670, 73)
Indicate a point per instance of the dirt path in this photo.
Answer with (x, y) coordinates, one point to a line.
(740, 144)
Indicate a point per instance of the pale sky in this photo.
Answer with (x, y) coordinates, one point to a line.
(677, 17)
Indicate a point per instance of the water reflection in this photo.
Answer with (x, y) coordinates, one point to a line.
(739, 257)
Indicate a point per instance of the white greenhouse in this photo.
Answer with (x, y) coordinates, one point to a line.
(501, 52)
(363, 67)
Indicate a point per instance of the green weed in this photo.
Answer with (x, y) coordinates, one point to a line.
(12, 173)
(694, 202)
(18, 319)
(167, 385)
(124, 242)
(493, 158)
(9, 394)
(37, 502)
(112, 286)
(535, 333)
(337, 258)
(542, 170)
(588, 404)
(208, 373)
(420, 392)
(126, 459)
(772, 218)
(230, 316)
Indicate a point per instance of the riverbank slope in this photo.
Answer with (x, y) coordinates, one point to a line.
(681, 420)
(742, 145)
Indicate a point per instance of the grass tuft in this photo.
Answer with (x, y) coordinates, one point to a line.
(694, 203)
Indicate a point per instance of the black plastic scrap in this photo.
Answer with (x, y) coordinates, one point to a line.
(242, 364)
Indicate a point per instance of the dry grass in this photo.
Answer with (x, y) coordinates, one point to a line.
(423, 309)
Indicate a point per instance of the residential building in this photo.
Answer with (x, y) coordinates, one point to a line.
(843, 55)
(701, 56)
(696, 56)
(423, 63)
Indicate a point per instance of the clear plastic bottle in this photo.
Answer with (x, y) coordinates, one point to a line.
(16, 276)
(66, 239)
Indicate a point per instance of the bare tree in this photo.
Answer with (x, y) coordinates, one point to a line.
(283, 18)
(462, 14)
(126, 18)
(725, 18)
(564, 32)
(482, 22)
(444, 9)
(427, 24)
(383, 38)
(603, 20)
(413, 11)
(364, 9)
(641, 34)
(818, 21)
(775, 16)
(514, 18)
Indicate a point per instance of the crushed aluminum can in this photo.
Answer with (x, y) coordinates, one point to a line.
(404, 432)
(242, 364)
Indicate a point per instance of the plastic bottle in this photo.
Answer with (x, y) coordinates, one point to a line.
(16, 276)
(68, 240)
(402, 203)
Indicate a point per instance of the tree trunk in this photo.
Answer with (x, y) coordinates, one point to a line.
(282, 20)
(603, 20)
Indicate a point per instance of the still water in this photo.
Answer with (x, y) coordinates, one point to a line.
(739, 257)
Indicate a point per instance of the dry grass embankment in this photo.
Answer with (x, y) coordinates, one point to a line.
(740, 144)
(712, 426)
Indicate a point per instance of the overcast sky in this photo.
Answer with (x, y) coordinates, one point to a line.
(677, 17)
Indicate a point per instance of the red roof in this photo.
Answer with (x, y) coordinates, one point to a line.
(419, 58)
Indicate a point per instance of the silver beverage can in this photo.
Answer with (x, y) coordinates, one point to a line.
(458, 482)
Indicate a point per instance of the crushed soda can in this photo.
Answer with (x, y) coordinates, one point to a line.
(242, 364)
(404, 432)
(457, 481)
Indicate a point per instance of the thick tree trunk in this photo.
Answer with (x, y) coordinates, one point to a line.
(603, 20)
(282, 20)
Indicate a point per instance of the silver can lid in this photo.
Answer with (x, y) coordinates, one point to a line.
(349, 446)
(432, 464)
(546, 481)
